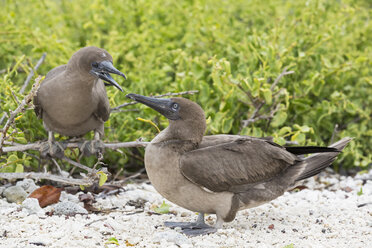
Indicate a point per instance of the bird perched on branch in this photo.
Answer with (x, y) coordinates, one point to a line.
(221, 174)
(72, 100)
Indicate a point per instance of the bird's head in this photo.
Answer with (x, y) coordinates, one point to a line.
(186, 118)
(97, 62)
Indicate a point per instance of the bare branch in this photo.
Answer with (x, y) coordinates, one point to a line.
(57, 165)
(334, 133)
(255, 116)
(3, 117)
(190, 92)
(285, 72)
(262, 117)
(32, 72)
(15, 97)
(25, 84)
(249, 95)
(36, 146)
(47, 176)
(81, 166)
(21, 108)
(122, 182)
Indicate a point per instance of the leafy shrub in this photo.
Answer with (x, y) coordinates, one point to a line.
(221, 48)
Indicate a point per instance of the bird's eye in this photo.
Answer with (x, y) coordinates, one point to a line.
(175, 106)
(95, 64)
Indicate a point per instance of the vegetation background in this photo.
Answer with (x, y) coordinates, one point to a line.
(231, 51)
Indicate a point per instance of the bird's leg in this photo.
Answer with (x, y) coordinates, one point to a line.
(93, 147)
(219, 222)
(52, 148)
(193, 228)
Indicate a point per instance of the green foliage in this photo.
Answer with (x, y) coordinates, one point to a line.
(360, 192)
(112, 240)
(288, 246)
(163, 209)
(221, 48)
(102, 178)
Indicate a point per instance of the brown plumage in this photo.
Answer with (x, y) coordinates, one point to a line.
(72, 100)
(221, 174)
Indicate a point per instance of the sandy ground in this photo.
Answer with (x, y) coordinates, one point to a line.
(326, 214)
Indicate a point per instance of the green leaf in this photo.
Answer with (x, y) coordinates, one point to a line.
(102, 178)
(279, 140)
(299, 137)
(279, 119)
(227, 67)
(163, 209)
(267, 95)
(112, 240)
(226, 125)
(12, 158)
(19, 168)
(360, 192)
(305, 129)
(284, 130)
(288, 246)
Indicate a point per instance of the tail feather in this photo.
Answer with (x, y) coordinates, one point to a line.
(299, 150)
(318, 162)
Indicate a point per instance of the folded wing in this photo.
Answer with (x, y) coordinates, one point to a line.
(235, 161)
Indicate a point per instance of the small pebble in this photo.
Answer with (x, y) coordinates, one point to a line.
(31, 205)
(68, 208)
(28, 185)
(15, 194)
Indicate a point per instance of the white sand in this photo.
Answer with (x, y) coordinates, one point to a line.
(325, 215)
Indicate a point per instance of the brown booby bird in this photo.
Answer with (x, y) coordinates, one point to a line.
(221, 174)
(72, 100)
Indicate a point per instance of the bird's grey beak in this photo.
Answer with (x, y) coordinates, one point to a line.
(103, 69)
(162, 105)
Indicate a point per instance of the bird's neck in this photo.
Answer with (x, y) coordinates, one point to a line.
(181, 131)
(80, 75)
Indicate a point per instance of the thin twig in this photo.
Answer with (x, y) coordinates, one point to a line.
(126, 110)
(249, 95)
(94, 221)
(28, 79)
(334, 133)
(117, 174)
(15, 97)
(47, 176)
(190, 92)
(285, 72)
(21, 107)
(121, 182)
(3, 117)
(81, 166)
(32, 72)
(57, 165)
(255, 115)
(36, 146)
(262, 117)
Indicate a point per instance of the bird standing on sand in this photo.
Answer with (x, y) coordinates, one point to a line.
(72, 100)
(221, 174)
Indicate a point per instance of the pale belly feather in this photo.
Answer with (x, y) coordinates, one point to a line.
(164, 173)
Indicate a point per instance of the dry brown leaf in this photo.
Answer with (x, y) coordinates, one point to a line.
(46, 195)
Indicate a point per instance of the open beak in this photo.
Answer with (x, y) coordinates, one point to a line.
(103, 69)
(162, 105)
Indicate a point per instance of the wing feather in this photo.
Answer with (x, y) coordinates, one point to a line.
(240, 161)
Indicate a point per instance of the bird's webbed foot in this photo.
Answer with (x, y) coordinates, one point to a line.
(193, 228)
(92, 147)
(52, 149)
